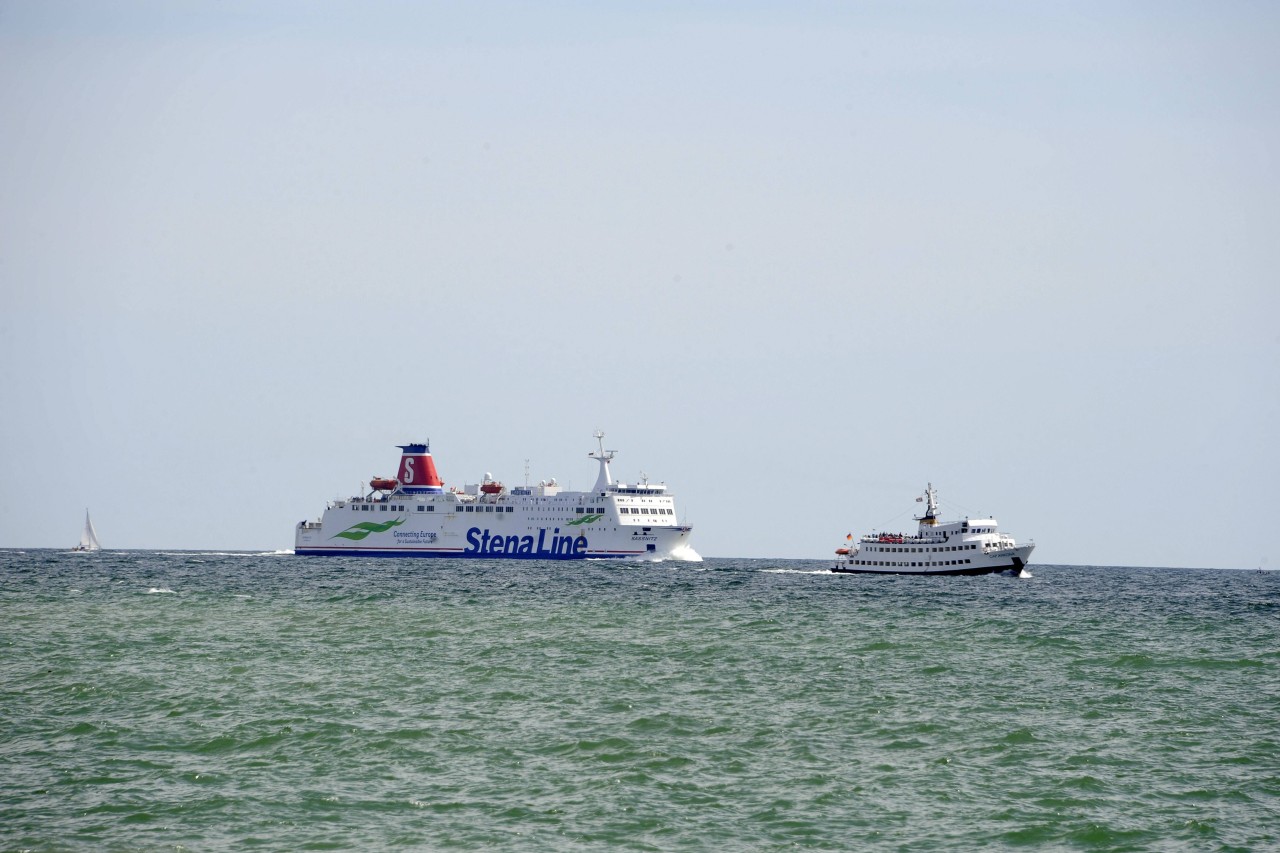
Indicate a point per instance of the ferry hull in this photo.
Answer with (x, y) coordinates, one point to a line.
(462, 555)
(1013, 568)
(412, 538)
(1012, 563)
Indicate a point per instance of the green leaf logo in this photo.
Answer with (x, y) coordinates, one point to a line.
(356, 532)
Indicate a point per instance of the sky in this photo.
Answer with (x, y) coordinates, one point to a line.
(796, 260)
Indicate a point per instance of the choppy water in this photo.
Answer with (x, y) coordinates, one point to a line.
(202, 701)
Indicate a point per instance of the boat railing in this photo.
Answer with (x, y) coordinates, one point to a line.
(896, 539)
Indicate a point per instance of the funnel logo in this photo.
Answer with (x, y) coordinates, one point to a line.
(417, 473)
(356, 532)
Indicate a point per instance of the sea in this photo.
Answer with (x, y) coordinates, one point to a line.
(214, 701)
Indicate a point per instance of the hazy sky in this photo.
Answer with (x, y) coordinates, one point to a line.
(797, 260)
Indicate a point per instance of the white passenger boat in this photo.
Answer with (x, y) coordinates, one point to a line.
(415, 515)
(972, 546)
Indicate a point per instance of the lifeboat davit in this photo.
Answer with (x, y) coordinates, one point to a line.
(383, 484)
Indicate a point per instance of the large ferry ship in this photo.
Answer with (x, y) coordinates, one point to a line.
(972, 546)
(414, 515)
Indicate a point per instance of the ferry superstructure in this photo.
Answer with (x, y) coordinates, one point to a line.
(971, 546)
(414, 515)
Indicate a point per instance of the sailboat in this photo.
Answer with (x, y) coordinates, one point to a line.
(89, 537)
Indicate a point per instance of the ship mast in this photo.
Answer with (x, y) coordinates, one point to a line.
(930, 516)
(605, 479)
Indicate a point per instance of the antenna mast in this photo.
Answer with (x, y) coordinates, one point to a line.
(605, 479)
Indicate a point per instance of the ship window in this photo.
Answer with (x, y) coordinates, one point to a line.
(383, 508)
(579, 510)
(364, 508)
(511, 509)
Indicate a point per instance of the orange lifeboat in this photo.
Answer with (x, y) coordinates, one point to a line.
(842, 551)
(383, 484)
(491, 487)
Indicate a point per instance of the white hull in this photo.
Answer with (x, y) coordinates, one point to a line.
(1012, 560)
(402, 518)
(972, 546)
(348, 530)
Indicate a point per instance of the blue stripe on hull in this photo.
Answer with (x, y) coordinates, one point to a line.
(456, 555)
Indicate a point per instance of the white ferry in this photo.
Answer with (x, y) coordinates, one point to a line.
(414, 515)
(973, 546)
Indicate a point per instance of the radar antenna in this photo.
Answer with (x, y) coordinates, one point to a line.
(605, 479)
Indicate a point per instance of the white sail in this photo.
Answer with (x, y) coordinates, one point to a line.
(89, 538)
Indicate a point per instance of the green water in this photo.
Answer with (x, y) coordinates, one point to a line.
(184, 701)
